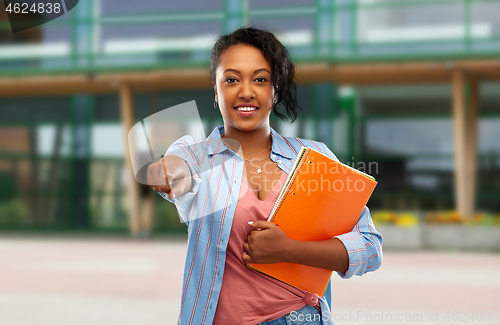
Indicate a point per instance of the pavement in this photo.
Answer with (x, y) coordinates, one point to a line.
(92, 281)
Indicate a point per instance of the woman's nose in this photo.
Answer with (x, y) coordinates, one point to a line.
(246, 91)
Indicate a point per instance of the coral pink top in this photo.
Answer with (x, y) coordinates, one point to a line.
(249, 297)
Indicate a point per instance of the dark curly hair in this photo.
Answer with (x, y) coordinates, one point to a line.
(276, 54)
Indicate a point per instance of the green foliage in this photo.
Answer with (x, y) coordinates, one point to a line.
(13, 213)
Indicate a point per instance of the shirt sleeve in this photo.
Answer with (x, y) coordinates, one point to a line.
(187, 148)
(364, 246)
(363, 243)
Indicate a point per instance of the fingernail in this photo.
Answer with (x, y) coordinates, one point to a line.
(250, 222)
(173, 195)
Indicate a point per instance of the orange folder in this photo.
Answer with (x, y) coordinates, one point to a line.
(321, 198)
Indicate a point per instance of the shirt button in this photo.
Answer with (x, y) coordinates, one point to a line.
(279, 161)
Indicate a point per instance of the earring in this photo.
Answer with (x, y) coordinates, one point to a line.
(215, 102)
(275, 100)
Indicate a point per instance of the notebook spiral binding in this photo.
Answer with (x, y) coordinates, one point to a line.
(291, 184)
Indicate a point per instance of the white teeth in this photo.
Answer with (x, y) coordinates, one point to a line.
(246, 109)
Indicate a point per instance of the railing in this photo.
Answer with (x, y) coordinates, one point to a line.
(99, 35)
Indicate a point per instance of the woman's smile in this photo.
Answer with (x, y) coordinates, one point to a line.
(246, 109)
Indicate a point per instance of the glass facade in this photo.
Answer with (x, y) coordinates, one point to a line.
(56, 172)
(100, 35)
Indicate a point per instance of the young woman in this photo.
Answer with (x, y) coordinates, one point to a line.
(225, 187)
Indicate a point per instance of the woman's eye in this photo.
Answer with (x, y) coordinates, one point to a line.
(234, 80)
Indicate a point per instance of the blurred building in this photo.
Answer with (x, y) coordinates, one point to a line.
(405, 89)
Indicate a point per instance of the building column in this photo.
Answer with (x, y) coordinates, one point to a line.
(324, 28)
(465, 119)
(235, 14)
(324, 105)
(81, 121)
(127, 113)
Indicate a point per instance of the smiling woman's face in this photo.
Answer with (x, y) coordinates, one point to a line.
(244, 89)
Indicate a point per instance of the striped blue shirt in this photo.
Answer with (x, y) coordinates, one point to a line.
(208, 211)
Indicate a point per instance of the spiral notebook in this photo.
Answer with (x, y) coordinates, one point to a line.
(320, 199)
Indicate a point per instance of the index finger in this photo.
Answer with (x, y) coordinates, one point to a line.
(167, 181)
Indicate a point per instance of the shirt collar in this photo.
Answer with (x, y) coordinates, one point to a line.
(215, 144)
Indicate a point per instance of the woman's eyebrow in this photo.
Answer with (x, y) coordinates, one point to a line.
(255, 72)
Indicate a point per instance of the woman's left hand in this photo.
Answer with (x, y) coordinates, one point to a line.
(266, 244)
